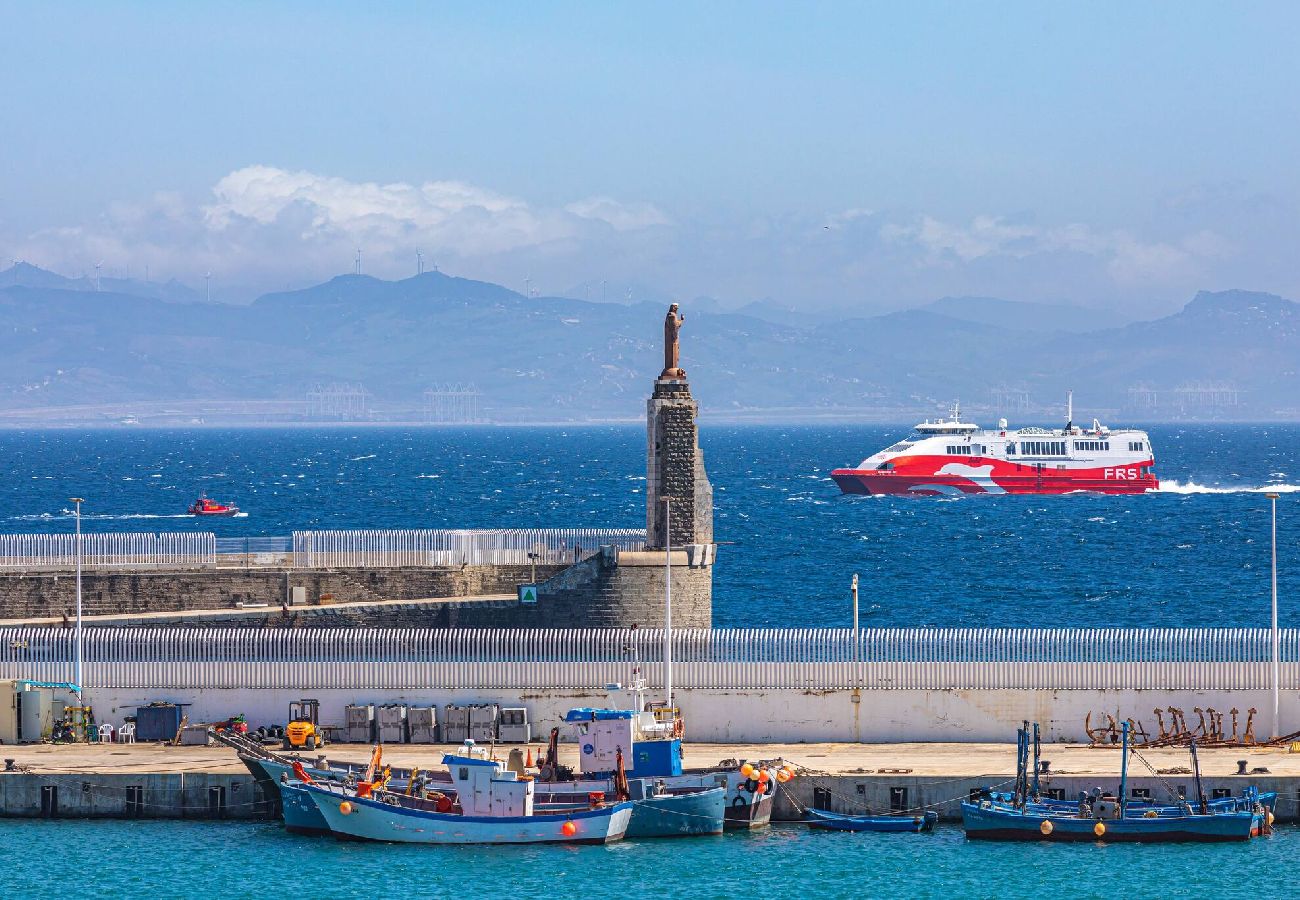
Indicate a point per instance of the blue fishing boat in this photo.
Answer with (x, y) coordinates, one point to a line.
(829, 821)
(1105, 817)
(990, 821)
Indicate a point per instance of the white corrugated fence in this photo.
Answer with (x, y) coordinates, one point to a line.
(722, 659)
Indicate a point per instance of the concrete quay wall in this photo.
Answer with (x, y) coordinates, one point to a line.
(768, 716)
(142, 795)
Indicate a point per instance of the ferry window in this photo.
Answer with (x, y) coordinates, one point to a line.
(1011, 449)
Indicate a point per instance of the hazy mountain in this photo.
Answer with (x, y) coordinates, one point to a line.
(559, 359)
(23, 274)
(1019, 315)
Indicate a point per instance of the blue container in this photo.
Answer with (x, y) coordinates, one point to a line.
(158, 723)
(656, 759)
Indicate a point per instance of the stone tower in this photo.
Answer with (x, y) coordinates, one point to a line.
(674, 460)
(675, 468)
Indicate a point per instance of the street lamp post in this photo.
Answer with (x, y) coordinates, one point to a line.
(1277, 666)
(668, 605)
(77, 501)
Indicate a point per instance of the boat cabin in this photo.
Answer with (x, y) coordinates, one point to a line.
(649, 748)
(485, 787)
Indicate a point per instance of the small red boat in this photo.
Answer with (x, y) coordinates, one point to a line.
(205, 507)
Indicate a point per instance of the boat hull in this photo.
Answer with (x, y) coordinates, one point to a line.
(748, 811)
(996, 823)
(679, 815)
(372, 820)
(871, 482)
(830, 821)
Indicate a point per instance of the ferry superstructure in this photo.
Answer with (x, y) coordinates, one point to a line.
(955, 457)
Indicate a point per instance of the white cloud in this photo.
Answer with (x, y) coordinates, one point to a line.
(1127, 258)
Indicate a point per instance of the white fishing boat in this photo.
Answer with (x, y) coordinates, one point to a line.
(493, 806)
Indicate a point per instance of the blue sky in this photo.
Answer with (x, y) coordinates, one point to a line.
(847, 156)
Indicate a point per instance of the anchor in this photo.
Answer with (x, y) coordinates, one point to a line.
(1160, 720)
(1249, 738)
(1234, 724)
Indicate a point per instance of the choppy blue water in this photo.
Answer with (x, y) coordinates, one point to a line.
(1195, 554)
(187, 860)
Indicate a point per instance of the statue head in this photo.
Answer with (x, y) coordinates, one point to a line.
(672, 308)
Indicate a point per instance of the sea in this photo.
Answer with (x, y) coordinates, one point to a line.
(1196, 553)
(193, 859)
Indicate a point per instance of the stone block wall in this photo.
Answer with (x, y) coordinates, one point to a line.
(40, 596)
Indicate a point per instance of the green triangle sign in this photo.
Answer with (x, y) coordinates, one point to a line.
(528, 593)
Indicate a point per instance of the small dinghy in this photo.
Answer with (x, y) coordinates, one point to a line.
(820, 818)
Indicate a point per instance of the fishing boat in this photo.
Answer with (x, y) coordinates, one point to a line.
(204, 506)
(1106, 817)
(950, 456)
(493, 806)
(829, 821)
(655, 736)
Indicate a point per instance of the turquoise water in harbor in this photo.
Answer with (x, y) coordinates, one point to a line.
(113, 859)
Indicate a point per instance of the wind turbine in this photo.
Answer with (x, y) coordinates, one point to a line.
(207, 287)
(99, 265)
(419, 262)
(358, 260)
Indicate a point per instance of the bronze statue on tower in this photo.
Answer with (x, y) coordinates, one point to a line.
(672, 345)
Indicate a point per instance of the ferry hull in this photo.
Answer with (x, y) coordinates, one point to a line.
(865, 481)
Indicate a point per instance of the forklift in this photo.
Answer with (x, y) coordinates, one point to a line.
(303, 731)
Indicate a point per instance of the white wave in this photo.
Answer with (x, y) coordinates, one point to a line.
(359, 458)
(1191, 487)
(103, 517)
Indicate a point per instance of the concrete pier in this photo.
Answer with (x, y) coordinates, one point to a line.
(160, 781)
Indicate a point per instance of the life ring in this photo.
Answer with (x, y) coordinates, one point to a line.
(740, 801)
(750, 785)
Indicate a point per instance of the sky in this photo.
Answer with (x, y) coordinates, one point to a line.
(854, 157)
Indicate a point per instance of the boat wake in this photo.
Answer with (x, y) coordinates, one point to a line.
(69, 514)
(1191, 487)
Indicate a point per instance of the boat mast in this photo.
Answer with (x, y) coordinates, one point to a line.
(1123, 772)
(1037, 752)
(1196, 774)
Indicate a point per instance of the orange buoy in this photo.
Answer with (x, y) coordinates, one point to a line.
(569, 829)
(782, 775)
(763, 777)
(346, 808)
(1046, 827)
(1099, 829)
(747, 770)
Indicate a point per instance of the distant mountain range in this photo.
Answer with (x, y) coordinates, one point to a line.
(169, 357)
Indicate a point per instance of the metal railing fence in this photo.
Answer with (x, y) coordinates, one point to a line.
(46, 552)
(314, 549)
(725, 659)
(454, 547)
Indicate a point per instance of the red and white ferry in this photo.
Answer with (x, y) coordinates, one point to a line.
(955, 457)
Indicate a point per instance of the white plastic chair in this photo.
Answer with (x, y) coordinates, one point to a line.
(106, 733)
(126, 734)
